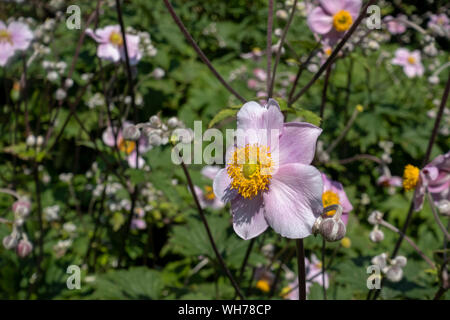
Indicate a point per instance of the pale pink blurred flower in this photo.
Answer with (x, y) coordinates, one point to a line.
(394, 26)
(111, 44)
(389, 181)
(206, 197)
(281, 189)
(410, 61)
(333, 18)
(260, 74)
(15, 36)
(138, 221)
(129, 147)
(334, 193)
(440, 24)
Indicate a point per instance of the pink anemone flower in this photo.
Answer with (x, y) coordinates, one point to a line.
(111, 44)
(333, 18)
(268, 177)
(206, 197)
(410, 61)
(334, 193)
(129, 147)
(15, 36)
(389, 181)
(435, 177)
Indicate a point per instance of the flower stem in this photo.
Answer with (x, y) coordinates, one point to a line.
(301, 269)
(208, 231)
(199, 51)
(269, 46)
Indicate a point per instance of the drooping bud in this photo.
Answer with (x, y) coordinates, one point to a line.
(375, 217)
(332, 229)
(24, 248)
(131, 133)
(21, 208)
(376, 235)
(10, 241)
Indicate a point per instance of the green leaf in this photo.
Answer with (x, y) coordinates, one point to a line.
(222, 115)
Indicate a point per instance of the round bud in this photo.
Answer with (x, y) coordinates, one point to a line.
(155, 122)
(154, 139)
(332, 229)
(39, 141)
(444, 207)
(10, 241)
(375, 217)
(131, 133)
(172, 122)
(24, 248)
(376, 235)
(21, 208)
(31, 141)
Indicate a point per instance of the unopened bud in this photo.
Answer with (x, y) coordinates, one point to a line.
(10, 241)
(444, 207)
(31, 141)
(131, 133)
(154, 139)
(39, 141)
(172, 122)
(21, 208)
(376, 235)
(24, 248)
(375, 217)
(155, 122)
(332, 229)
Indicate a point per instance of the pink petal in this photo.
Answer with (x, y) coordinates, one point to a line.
(132, 161)
(294, 200)
(248, 217)
(332, 6)
(210, 171)
(108, 137)
(353, 6)
(103, 34)
(221, 186)
(21, 35)
(410, 70)
(401, 57)
(298, 143)
(6, 52)
(320, 22)
(108, 52)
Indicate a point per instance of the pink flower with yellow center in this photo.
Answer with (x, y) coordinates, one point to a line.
(410, 61)
(395, 26)
(15, 36)
(111, 44)
(334, 193)
(268, 177)
(125, 146)
(333, 18)
(206, 196)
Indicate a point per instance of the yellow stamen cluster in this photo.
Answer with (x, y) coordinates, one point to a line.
(410, 177)
(328, 51)
(126, 146)
(263, 285)
(116, 39)
(5, 36)
(342, 21)
(284, 292)
(209, 193)
(411, 60)
(329, 198)
(250, 170)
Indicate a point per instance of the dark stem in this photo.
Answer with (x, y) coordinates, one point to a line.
(208, 231)
(301, 270)
(269, 46)
(247, 255)
(200, 52)
(280, 48)
(323, 269)
(324, 92)
(336, 50)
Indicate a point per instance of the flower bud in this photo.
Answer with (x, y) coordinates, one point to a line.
(375, 217)
(155, 122)
(21, 208)
(24, 248)
(394, 273)
(376, 235)
(131, 133)
(332, 229)
(444, 207)
(154, 139)
(172, 122)
(39, 141)
(31, 141)
(10, 241)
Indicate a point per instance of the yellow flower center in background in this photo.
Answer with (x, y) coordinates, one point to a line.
(5, 36)
(410, 177)
(263, 285)
(318, 265)
(116, 39)
(411, 60)
(126, 146)
(250, 170)
(342, 21)
(346, 242)
(329, 198)
(284, 292)
(209, 193)
(328, 51)
(16, 86)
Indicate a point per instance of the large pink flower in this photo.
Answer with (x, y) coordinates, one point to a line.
(334, 193)
(435, 177)
(129, 147)
(333, 18)
(268, 177)
(410, 61)
(111, 44)
(15, 36)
